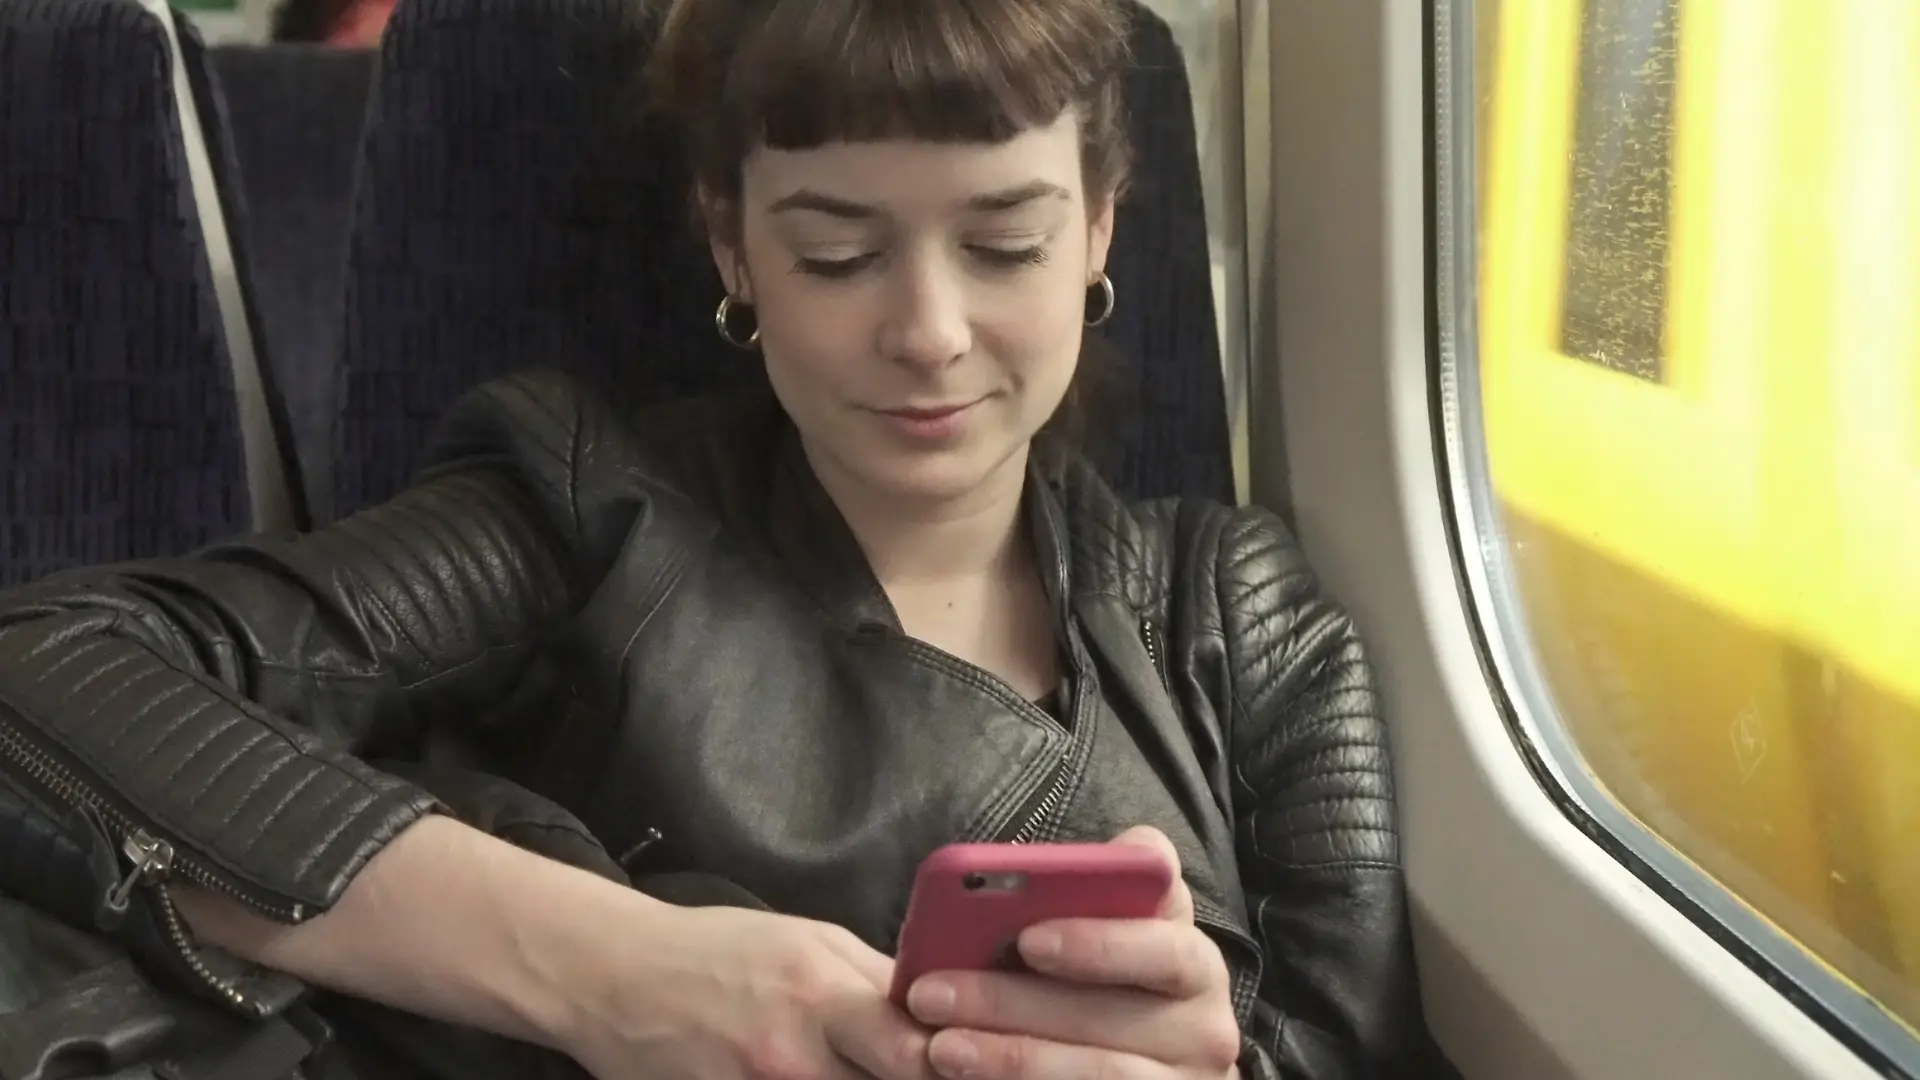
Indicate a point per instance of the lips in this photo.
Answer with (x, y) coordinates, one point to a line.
(927, 425)
(938, 412)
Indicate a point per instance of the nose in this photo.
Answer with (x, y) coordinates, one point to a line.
(926, 324)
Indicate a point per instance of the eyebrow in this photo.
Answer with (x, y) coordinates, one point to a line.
(992, 202)
(1031, 191)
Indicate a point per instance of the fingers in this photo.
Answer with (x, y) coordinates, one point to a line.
(1198, 1031)
(838, 1068)
(878, 1039)
(1169, 958)
(1178, 906)
(978, 1055)
(1148, 836)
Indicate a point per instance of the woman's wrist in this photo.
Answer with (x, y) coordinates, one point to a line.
(577, 962)
(452, 923)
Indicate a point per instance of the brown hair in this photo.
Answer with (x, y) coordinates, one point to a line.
(797, 74)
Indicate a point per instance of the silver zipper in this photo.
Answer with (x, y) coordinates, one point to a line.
(148, 859)
(1043, 811)
(152, 862)
(1029, 831)
(1150, 634)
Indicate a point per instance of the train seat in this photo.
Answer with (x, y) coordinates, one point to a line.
(513, 210)
(296, 113)
(516, 208)
(132, 420)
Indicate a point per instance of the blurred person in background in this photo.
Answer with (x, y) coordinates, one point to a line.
(343, 23)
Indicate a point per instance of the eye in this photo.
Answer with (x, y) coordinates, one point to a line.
(1011, 258)
(834, 268)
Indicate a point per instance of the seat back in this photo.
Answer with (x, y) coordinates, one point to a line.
(516, 208)
(297, 115)
(120, 431)
(276, 495)
(1166, 324)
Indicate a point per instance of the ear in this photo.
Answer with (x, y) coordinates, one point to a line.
(1099, 236)
(720, 219)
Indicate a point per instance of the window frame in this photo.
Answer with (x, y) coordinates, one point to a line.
(1543, 952)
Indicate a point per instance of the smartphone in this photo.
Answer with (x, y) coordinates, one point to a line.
(971, 901)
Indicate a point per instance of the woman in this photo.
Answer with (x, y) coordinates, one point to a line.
(769, 654)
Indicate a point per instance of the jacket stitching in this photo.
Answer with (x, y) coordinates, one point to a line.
(573, 475)
(1266, 945)
(485, 654)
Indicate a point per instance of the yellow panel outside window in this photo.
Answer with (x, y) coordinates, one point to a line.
(1700, 375)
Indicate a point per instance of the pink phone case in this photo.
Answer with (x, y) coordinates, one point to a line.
(971, 901)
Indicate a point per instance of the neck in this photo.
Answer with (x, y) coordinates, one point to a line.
(938, 540)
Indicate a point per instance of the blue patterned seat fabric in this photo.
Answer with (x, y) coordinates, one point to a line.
(119, 433)
(515, 210)
(296, 114)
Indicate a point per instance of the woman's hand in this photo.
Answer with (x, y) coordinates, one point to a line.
(729, 994)
(1105, 1000)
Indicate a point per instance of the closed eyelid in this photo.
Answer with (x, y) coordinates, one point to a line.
(818, 247)
(1011, 236)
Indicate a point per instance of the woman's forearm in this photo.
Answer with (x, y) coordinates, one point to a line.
(447, 922)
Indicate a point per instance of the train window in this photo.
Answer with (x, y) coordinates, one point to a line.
(1680, 246)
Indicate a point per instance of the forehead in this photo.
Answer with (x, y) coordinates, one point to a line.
(905, 175)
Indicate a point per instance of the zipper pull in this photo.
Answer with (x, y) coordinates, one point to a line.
(149, 858)
(630, 862)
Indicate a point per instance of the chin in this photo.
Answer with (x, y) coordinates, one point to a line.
(935, 477)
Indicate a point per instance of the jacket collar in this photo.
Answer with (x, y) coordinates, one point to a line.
(809, 534)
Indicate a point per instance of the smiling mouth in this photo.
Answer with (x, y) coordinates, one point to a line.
(937, 412)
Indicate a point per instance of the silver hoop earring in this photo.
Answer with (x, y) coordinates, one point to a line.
(1107, 299)
(723, 323)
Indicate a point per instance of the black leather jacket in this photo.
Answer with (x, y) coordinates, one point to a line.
(660, 623)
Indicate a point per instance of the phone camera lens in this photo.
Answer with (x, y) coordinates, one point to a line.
(974, 882)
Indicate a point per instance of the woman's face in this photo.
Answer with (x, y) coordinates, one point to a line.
(920, 305)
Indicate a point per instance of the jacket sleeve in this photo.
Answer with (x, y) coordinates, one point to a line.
(1314, 824)
(223, 703)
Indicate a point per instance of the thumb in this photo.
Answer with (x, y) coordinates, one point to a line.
(1178, 905)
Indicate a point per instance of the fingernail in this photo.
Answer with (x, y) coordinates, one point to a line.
(931, 1000)
(1042, 945)
(953, 1055)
